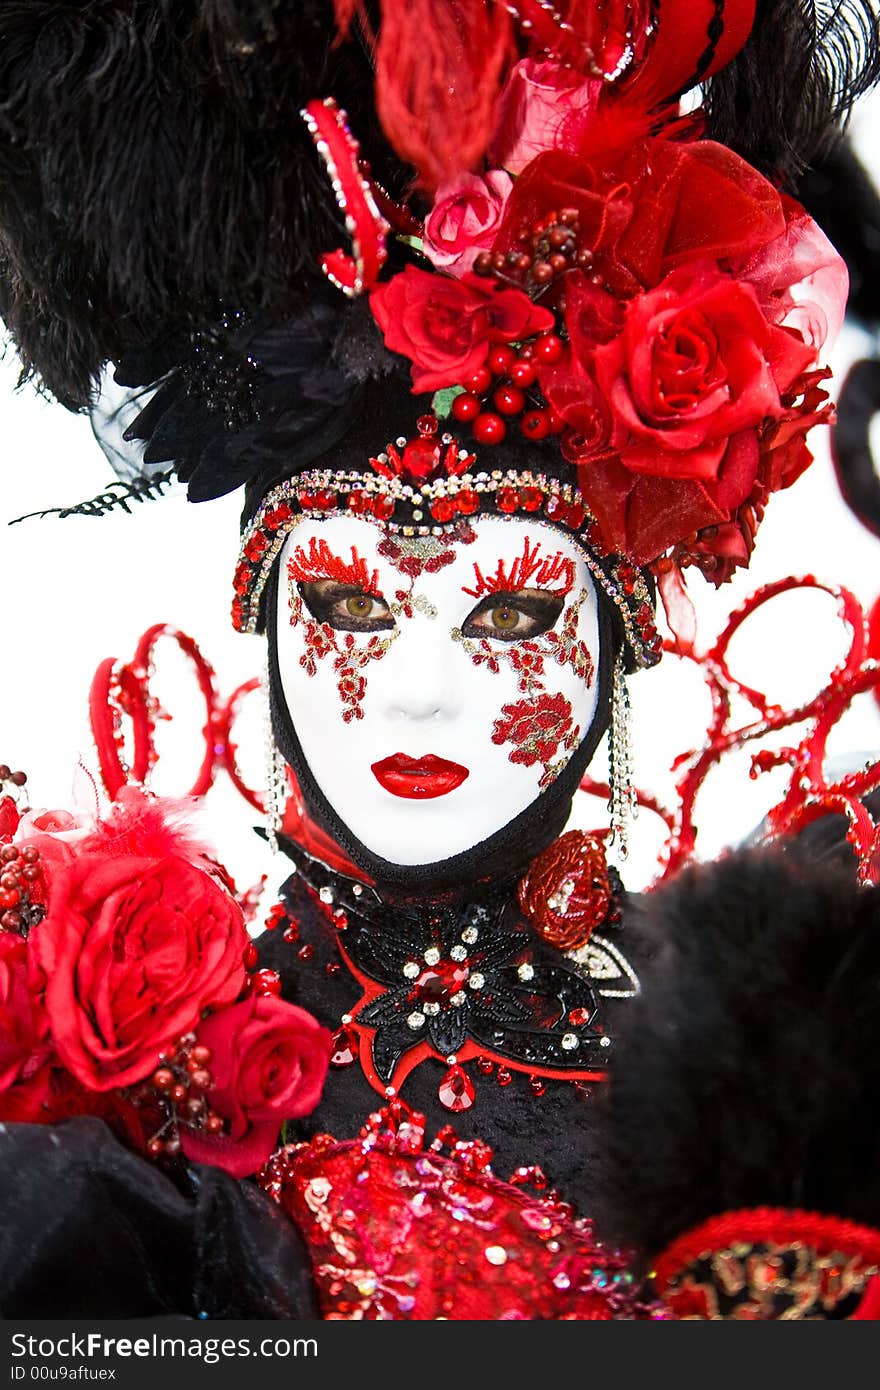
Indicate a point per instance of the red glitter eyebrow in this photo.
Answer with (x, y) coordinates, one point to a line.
(321, 563)
(529, 570)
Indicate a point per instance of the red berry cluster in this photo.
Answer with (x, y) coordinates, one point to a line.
(498, 390)
(19, 867)
(179, 1087)
(180, 1084)
(541, 252)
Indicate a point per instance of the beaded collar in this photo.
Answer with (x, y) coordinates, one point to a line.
(466, 978)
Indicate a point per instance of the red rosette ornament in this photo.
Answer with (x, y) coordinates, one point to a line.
(566, 892)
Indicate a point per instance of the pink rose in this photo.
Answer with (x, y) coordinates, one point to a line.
(466, 215)
(64, 825)
(539, 110)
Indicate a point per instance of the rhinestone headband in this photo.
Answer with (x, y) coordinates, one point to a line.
(435, 508)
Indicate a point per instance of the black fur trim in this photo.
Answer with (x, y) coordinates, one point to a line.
(746, 1073)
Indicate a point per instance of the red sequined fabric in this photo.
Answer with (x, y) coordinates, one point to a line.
(565, 892)
(770, 1264)
(398, 1229)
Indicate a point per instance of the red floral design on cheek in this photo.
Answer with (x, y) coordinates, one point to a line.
(536, 729)
(320, 640)
(526, 657)
(566, 648)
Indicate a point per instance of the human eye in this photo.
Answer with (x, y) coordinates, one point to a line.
(346, 607)
(511, 617)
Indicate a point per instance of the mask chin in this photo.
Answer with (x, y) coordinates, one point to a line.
(504, 854)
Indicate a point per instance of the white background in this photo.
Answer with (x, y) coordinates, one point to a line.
(78, 590)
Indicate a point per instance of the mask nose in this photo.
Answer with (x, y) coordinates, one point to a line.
(421, 684)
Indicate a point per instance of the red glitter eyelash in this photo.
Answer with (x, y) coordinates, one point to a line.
(530, 568)
(321, 563)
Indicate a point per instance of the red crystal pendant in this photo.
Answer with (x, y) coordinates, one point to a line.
(345, 1047)
(439, 982)
(456, 1091)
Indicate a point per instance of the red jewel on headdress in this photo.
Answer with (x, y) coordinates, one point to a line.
(423, 458)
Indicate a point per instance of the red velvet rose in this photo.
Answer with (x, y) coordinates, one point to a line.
(268, 1064)
(464, 220)
(445, 326)
(25, 1047)
(131, 952)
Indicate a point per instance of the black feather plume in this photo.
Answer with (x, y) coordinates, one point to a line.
(782, 102)
(154, 168)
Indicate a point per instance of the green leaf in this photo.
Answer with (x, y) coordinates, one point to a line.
(442, 402)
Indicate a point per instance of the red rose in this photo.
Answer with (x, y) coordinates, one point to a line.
(536, 111)
(445, 326)
(25, 1047)
(689, 370)
(268, 1064)
(464, 220)
(130, 953)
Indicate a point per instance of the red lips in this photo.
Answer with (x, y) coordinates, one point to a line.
(419, 779)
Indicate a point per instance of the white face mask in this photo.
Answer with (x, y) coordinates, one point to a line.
(436, 687)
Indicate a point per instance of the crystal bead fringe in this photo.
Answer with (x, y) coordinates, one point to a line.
(622, 803)
(276, 771)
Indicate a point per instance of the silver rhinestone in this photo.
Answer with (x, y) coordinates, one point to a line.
(326, 895)
(418, 514)
(526, 972)
(477, 980)
(357, 889)
(416, 1020)
(496, 1254)
(470, 934)
(431, 1009)
(569, 1041)
(458, 953)
(411, 970)
(401, 441)
(432, 955)
(604, 1042)
(458, 999)
(561, 1280)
